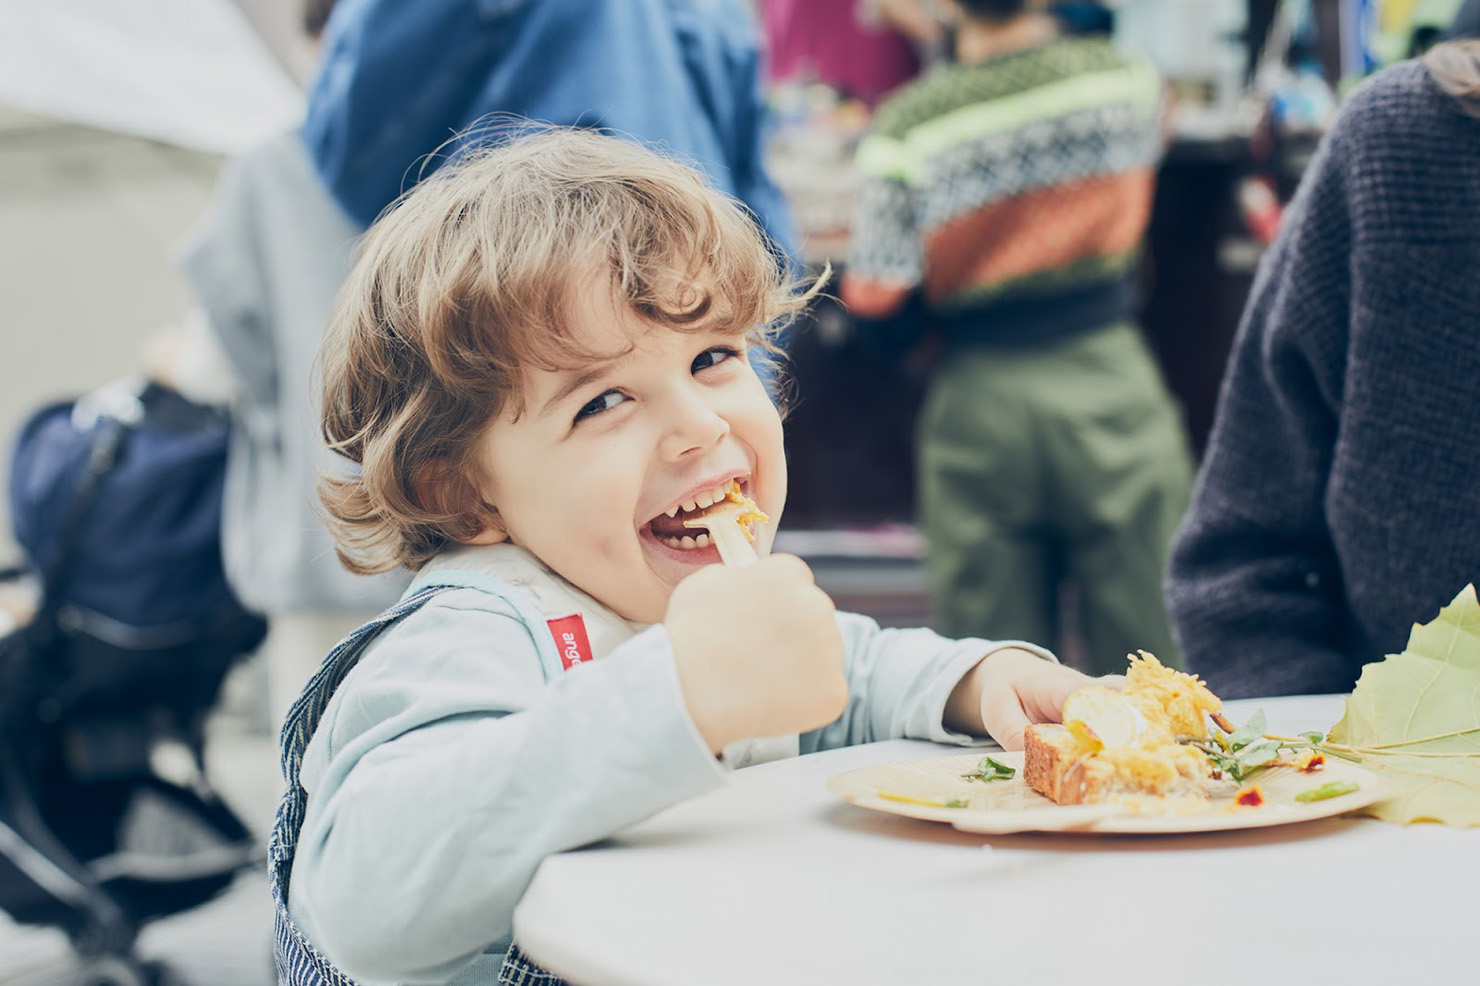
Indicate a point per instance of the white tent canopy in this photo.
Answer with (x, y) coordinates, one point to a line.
(189, 72)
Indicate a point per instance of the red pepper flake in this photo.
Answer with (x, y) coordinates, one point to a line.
(1312, 761)
(1249, 797)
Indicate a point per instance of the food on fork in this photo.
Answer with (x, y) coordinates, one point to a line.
(749, 515)
(729, 523)
(1125, 744)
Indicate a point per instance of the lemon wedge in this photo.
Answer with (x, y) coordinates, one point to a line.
(1101, 718)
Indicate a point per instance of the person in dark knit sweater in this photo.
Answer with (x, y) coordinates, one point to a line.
(1339, 499)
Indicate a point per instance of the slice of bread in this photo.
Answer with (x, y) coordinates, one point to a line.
(1056, 765)
(1053, 766)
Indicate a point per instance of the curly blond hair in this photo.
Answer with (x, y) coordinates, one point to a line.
(469, 277)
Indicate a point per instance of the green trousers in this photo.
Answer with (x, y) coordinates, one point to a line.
(1054, 466)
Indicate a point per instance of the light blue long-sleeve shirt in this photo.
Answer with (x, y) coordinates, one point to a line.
(450, 762)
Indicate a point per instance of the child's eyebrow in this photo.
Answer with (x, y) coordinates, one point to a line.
(574, 383)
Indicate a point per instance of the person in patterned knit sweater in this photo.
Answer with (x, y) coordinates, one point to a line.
(1339, 501)
(1004, 202)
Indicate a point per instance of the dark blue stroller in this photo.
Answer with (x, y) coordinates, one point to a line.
(116, 499)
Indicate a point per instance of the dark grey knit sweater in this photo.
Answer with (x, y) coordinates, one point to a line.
(1339, 502)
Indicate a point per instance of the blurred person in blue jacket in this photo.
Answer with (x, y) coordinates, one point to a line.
(402, 80)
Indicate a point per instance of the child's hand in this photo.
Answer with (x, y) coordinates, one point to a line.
(1012, 688)
(757, 649)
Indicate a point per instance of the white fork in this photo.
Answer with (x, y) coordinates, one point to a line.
(723, 523)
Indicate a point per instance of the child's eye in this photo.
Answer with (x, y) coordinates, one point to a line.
(604, 402)
(713, 357)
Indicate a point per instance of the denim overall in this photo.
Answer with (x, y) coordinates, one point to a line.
(298, 962)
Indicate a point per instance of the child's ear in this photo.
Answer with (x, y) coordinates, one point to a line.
(441, 487)
(493, 530)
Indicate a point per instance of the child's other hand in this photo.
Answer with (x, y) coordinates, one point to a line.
(757, 649)
(1012, 688)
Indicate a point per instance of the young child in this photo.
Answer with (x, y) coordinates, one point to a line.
(540, 366)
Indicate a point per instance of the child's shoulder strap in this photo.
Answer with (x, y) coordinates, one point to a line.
(305, 714)
(298, 962)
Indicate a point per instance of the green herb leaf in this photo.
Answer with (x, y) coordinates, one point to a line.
(1314, 736)
(1258, 755)
(990, 770)
(1248, 732)
(1414, 717)
(1238, 754)
(1331, 789)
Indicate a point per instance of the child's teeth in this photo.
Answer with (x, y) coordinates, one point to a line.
(688, 543)
(704, 500)
(690, 505)
(672, 511)
(720, 493)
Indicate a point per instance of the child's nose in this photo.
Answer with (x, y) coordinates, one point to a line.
(694, 426)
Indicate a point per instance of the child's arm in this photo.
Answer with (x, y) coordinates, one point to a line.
(914, 683)
(447, 769)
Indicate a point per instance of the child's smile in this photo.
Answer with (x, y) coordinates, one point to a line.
(611, 456)
(673, 528)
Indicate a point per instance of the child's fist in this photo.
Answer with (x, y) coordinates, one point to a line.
(757, 649)
(1012, 688)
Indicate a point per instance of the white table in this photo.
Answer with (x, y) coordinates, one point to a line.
(773, 881)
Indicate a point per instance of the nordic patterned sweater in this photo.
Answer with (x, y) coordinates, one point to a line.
(1339, 499)
(1009, 195)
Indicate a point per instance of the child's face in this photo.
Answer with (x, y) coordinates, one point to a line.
(603, 451)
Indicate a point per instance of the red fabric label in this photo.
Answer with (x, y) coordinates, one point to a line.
(570, 640)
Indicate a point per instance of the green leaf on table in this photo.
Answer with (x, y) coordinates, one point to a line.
(1414, 718)
(1454, 635)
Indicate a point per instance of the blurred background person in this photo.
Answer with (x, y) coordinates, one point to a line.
(863, 49)
(405, 79)
(1004, 202)
(1466, 23)
(1339, 499)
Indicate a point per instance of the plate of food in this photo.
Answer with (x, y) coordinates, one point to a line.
(1157, 757)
